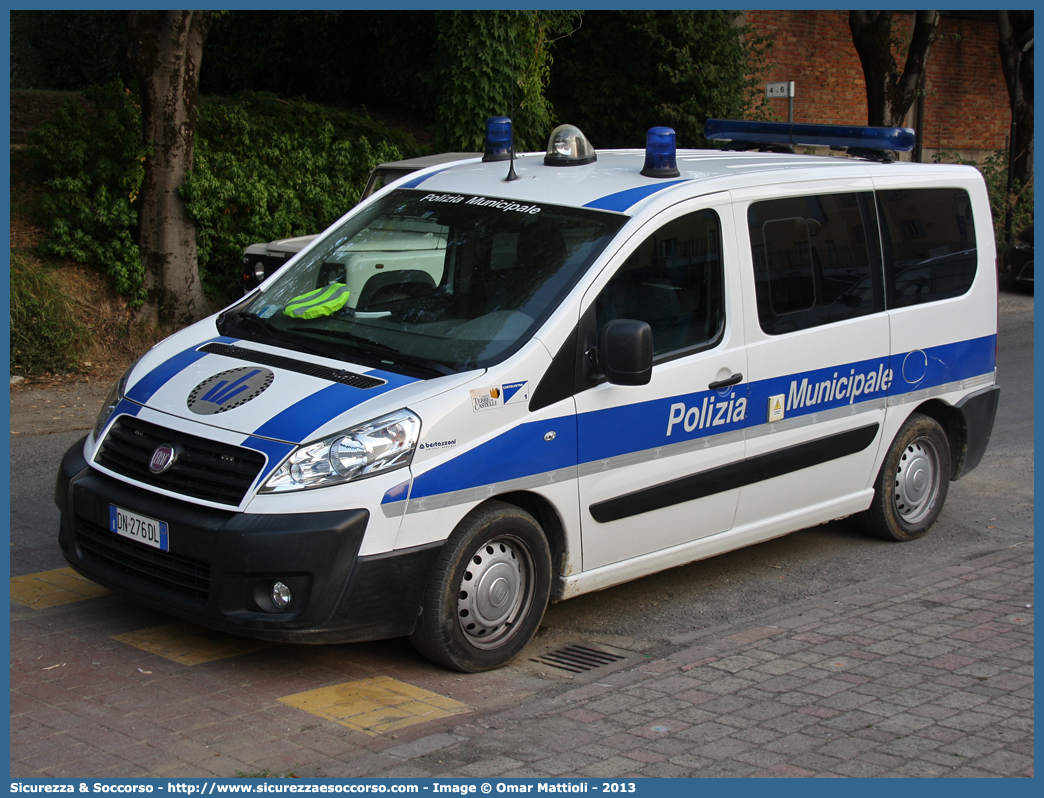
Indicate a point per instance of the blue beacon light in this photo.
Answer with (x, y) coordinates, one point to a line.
(498, 139)
(661, 151)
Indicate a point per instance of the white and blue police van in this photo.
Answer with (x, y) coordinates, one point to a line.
(519, 378)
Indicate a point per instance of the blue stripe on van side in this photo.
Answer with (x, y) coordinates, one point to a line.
(947, 363)
(809, 392)
(144, 388)
(399, 493)
(519, 452)
(621, 430)
(622, 200)
(612, 432)
(298, 421)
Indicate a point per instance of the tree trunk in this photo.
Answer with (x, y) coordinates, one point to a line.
(1010, 26)
(890, 94)
(165, 52)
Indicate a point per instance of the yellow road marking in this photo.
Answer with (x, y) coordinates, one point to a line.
(377, 705)
(188, 644)
(53, 588)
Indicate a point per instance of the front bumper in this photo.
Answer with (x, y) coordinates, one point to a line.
(221, 564)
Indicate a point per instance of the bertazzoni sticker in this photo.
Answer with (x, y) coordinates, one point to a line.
(510, 393)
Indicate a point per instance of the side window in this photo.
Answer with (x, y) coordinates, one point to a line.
(673, 281)
(812, 260)
(928, 236)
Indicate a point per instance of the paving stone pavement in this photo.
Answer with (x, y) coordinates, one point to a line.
(926, 677)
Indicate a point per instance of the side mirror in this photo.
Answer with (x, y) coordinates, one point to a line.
(625, 352)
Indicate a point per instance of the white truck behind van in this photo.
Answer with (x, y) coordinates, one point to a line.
(263, 259)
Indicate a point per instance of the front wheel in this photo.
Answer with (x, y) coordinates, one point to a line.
(911, 487)
(487, 591)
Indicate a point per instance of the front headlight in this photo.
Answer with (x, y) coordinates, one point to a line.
(384, 444)
(114, 398)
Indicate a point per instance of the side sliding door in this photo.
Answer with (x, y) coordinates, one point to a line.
(817, 354)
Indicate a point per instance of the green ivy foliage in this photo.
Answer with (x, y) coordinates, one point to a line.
(624, 72)
(265, 168)
(91, 165)
(268, 168)
(494, 63)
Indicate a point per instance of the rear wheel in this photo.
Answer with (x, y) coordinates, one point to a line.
(911, 487)
(487, 591)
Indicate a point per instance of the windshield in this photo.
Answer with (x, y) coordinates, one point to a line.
(433, 281)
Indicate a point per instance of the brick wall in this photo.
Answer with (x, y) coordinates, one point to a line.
(966, 108)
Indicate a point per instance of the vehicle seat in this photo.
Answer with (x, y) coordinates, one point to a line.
(402, 284)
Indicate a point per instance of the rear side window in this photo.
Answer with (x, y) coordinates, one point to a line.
(928, 241)
(813, 259)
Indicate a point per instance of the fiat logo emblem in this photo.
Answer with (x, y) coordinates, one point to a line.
(163, 458)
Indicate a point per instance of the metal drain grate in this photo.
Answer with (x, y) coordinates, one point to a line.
(577, 659)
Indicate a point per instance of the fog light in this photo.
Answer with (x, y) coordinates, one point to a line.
(281, 596)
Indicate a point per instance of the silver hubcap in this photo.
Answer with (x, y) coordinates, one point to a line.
(917, 481)
(495, 592)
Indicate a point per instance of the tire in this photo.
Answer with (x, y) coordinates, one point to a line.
(487, 591)
(911, 487)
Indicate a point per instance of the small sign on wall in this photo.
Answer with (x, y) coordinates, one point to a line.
(783, 89)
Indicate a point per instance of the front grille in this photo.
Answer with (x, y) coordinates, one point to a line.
(185, 576)
(311, 369)
(202, 469)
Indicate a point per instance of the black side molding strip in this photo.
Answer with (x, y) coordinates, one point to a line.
(735, 475)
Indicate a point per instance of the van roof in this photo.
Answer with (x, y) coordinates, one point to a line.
(614, 182)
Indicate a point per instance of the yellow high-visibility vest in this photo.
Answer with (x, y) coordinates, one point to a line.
(320, 302)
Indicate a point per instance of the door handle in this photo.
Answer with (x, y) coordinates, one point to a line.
(735, 378)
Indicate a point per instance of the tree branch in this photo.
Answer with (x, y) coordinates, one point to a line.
(926, 25)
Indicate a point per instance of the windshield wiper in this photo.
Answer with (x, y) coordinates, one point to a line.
(258, 322)
(270, 331)
(379, 349)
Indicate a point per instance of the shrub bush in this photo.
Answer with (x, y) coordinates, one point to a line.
(623, 72)
(265, 168)
(494, 63)
(45, 334)
(91, 166)
(269, 168)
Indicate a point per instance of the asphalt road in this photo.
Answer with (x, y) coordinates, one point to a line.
(989, 510)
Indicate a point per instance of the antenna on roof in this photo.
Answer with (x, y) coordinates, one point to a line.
(511, 168)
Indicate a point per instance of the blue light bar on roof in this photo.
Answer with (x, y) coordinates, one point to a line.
(895, 139)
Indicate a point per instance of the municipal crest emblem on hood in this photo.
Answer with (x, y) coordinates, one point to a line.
(229, 390)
